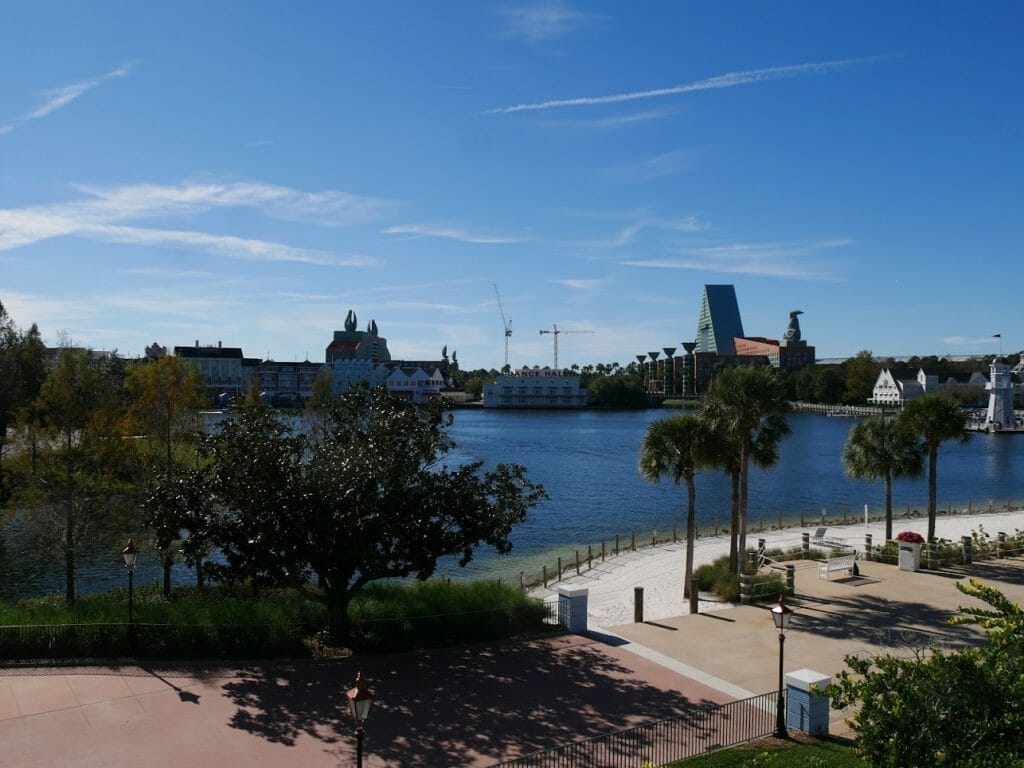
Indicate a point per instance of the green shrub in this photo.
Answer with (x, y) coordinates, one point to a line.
(227, 622)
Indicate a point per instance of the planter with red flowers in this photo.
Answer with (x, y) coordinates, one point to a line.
(909, 543)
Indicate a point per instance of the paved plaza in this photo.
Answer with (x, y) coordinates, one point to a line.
(476, 705)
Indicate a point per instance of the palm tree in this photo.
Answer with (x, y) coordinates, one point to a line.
(724, 452)
(934, 419)
(748, 405)
(679, 448)
(883, 449)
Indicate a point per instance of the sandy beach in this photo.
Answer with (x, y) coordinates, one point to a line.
(659, 570)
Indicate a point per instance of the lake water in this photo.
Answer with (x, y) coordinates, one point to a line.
(587, 462)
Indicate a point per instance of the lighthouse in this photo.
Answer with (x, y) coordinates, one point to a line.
(1000, 397)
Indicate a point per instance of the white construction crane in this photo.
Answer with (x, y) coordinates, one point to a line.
(555, 330)
(506, 324)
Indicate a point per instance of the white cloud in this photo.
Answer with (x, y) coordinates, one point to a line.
(656, 167)
(613, 121)
(100, 216)
(434, 230)
(728, 80)
(545, 21)
(57, 98)
(223, 245)
(584, 284)
(767, 259)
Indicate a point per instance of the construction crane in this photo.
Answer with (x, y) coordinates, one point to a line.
(555, 330)
(506, 324)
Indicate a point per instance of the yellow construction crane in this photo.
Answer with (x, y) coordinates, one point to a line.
(506, 324)
(555, 331)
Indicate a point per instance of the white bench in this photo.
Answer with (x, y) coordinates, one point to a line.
(846, 562)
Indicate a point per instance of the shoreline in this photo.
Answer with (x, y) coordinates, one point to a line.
(660, 569)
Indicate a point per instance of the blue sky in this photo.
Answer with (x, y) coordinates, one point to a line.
(248, 172)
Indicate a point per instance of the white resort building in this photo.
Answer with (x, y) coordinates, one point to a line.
(535, 388)
(897, 386)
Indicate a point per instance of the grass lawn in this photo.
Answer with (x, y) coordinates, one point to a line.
(778, 754)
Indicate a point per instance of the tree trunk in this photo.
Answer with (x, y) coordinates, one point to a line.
(744, 481)
(337, 613)
(888, 506)
(167, 563)
(933, 455)
(691, 533)
(734, 522)
(69, 576)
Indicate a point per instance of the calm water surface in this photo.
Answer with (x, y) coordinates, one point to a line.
(587, 463)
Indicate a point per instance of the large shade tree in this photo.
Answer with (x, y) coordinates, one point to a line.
(884, 449)
(747, 405)
(72, 496)
(22, 371)
(935, 419)
(371, 499)
(165, 397)
(678, 448)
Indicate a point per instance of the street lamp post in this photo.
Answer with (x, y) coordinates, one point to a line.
(129, 554)
(781, 614)
(360, 700)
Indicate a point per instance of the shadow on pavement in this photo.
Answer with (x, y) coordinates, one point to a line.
(457, 707)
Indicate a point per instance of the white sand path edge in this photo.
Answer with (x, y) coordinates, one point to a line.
(659, 570)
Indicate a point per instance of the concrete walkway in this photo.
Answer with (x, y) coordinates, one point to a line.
(471, 706)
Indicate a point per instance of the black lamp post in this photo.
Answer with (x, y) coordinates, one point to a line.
(129, 554)
(359, 701)
(781, 614)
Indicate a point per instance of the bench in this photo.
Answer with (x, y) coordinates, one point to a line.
(820, 539)
(846, 562)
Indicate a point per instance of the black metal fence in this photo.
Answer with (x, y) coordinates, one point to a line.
(663, 741)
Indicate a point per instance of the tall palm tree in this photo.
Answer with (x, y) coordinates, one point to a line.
(934, 419)
(724, 450)
(883, 449)
(679, 448)
(748, 404)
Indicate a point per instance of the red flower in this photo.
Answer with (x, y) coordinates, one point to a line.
(911, 537)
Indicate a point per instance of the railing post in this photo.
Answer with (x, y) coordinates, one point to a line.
(616, 545)
(790, 579)
(577, 562)
(559, 578)
(632, 545)
(746, 594)
(1000, 544)
(694, 606)
(545, 567)
(968, 546)
(638, 605)
(590, 557)
(602, 550)
(867, 546)
(805, 544)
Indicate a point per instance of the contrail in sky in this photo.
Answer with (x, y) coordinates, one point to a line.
(728, 80)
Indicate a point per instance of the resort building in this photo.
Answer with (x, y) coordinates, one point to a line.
(721, 343)
(897, 386)
(220, 366)
(535, 388)
(361, 345)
